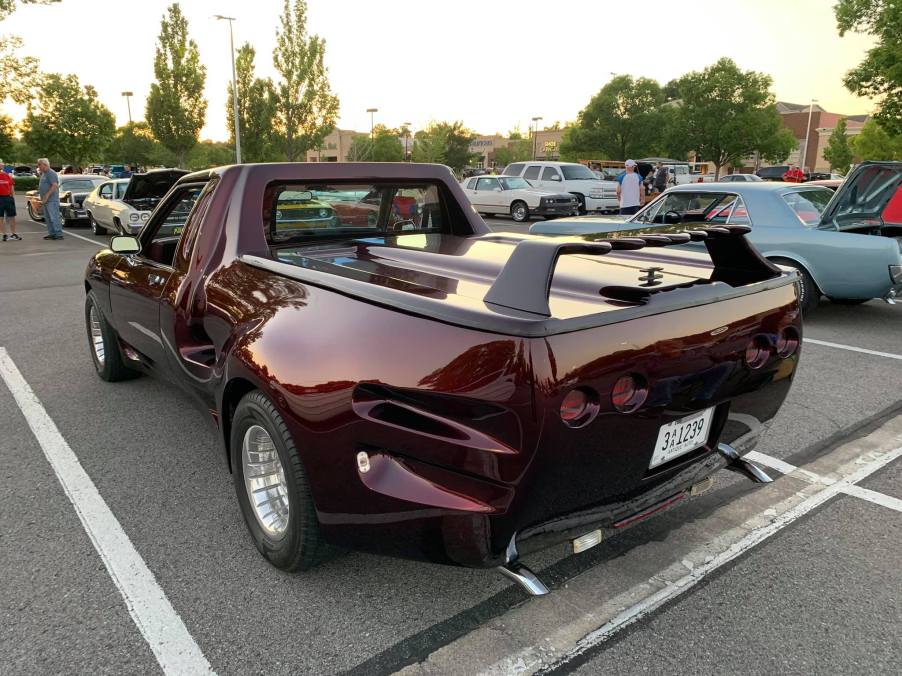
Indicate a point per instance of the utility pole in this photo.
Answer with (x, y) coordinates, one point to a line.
(230, 19)
(807, 132)
(128, 102)
(535, 134)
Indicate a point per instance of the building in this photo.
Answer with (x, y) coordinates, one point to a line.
(547, 144)
(336, 146)
(795, 118)
(485, 147)
(854, 125)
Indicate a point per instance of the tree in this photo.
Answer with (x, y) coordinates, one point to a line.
(518, 149)
(621, 121)
(70, 125)
(385, 146)
(176, 107)
(874, 143)
(134, 143)
(879, 75)
(256, 109)
(726, 114)
(444, 143)
(837, 151)
(428, 145)
(208, 154)
(306, 109)
(7, 137)
(19, 75)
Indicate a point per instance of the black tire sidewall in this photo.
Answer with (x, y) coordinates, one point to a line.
(293, 551)
(514, 207)
(113, 367)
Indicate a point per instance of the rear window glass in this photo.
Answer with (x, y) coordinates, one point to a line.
(808, 205)
(299, 212)
(514, 169)
(532, 173)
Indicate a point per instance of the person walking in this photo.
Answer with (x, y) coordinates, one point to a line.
(629, 190)
(662, 178)
(48, 190)
(8, 206)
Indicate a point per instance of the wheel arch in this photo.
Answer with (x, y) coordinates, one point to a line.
(232, 393)
(797, 261)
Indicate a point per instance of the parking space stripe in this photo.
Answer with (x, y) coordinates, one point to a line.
(881, 499)
(156, 619)
(852, 348)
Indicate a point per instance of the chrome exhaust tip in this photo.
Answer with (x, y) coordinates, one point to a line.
(519, 573)
(737, 463)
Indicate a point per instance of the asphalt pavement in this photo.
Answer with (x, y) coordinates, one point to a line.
(154, 459)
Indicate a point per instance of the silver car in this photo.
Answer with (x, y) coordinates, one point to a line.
(846, 246)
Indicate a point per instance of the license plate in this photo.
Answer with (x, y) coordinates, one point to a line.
(681, 436)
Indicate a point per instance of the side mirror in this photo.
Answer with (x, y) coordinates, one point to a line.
(555, 177)
(125, 244)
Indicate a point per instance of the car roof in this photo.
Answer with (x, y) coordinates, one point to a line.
(745, 186)
(64, 177)
(547, 163)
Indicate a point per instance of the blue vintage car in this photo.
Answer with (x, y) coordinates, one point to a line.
(846, 246)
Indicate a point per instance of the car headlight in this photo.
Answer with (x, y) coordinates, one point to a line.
(144, 215)
(324, 213)
(134, 218)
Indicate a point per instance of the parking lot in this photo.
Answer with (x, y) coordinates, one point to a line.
(798, 575)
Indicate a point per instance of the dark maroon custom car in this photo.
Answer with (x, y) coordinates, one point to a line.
(414, 385)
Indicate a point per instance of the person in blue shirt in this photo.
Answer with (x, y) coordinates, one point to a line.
(48, 190)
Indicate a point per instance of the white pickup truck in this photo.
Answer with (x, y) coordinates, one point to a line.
(593, 194)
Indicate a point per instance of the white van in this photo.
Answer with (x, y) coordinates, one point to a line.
(594, 194)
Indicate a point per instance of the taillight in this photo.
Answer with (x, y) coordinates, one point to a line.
(787, 342)
(629, 393)
(757, 352)
(579, 407)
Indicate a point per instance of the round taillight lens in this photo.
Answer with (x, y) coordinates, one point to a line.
(787, 342)
(629, 393)
(579, 407)
(757, 352)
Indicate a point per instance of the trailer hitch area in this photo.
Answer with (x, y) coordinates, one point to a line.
(737, 463)
(519, 573)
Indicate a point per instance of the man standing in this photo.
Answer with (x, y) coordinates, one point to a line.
(48, 190)
(793, 174)
(629, 190)
(8, 205)
(662, 177)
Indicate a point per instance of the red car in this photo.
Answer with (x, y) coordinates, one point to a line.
(444, 392)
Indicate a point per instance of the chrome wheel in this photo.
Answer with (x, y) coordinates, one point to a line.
(97, 337)
(519, 212)
(264, 479)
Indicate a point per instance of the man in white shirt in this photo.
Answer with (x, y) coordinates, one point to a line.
(629, 190)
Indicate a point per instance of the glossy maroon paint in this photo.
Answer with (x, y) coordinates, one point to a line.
(462, 427)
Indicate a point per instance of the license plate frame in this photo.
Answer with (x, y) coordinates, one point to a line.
(678, 437)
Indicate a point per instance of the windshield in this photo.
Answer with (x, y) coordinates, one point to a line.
(514, 183)
(808, 204)
(578, 172)
(79, 185)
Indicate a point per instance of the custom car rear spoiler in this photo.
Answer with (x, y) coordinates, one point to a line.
(525, 281)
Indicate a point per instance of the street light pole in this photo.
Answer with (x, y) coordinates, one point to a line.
(128, 102)
(406, 126)
(535, 134)
(230, 19)
(372, 112)
(807, 132)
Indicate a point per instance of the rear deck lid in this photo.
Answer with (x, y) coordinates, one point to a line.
(869, 199)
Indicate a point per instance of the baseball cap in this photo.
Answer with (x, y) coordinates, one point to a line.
(630, 163)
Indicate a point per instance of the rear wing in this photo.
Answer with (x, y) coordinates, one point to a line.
(524, 283)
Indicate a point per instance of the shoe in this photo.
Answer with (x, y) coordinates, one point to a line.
(13, 238)
(57, 237)
(48, 237)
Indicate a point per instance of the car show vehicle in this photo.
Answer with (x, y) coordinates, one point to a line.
(740, 178)
(420, 387)
(514, 196)
(119, 171)
(73, 189)
(846, 246)
(594, 194)
(122, 206)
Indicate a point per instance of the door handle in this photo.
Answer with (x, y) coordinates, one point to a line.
(155, 280)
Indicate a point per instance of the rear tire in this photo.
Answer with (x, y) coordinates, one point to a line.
(104, 344)
(809, 294)
(294, 544)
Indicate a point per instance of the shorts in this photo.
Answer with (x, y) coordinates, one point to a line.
(7, 206)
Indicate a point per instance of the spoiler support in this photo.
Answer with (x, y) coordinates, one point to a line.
(524, 283)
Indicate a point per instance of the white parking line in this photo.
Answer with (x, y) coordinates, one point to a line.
(159, 623)
(851, 348)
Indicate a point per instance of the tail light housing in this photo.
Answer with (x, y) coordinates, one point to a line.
(788, 342)
(629, 393)
(757, 352)
(579, 407)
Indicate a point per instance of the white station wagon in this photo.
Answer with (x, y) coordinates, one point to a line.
(515, 196)
(123, 205)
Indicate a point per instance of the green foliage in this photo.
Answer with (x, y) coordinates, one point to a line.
(24, 183)
(134, 143)
(385, 146)
(837, 151)
(622, 120)
(19, 75)
(517, 150)
(879, 75)
(7, 7)
(256, 109)
(7, 137)
(176, 107)
(726, 114)
(22, 153)
(875, 143)
(306, 109)
(445, 143)
(207, 154)
(71, 125)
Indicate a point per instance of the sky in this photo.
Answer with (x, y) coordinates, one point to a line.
(494, 65)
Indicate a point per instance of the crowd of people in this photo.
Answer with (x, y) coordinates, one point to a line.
(48, 192)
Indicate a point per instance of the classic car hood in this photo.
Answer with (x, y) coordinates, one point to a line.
(150, 187)
(581, 225)
(869, 201)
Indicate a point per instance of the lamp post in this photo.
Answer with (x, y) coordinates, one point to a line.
(807, 132)
(128, 102)
(372, 112)
(535, 134)
(230, 19)
(406, 126)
